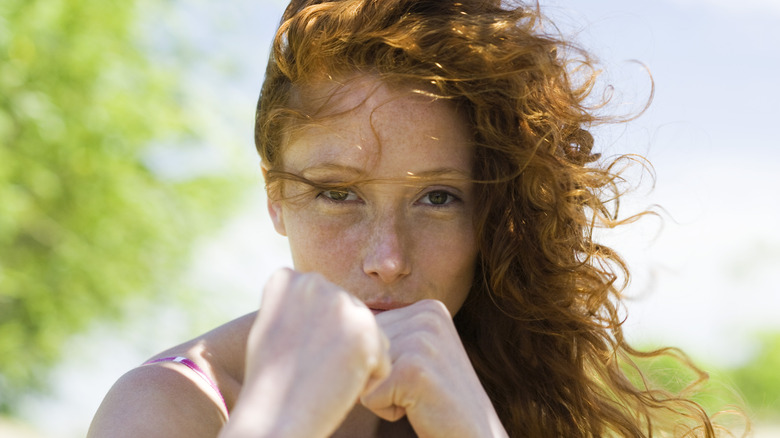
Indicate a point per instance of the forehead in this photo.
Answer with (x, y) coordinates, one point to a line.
(324, 97)
(363, 122)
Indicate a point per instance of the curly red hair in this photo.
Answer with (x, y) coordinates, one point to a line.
(541, 324)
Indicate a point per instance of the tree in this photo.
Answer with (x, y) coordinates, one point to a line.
(86, 221)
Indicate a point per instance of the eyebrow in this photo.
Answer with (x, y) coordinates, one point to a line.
(438, 173)
(333, 167)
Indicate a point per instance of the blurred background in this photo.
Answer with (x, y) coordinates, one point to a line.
(132, 215)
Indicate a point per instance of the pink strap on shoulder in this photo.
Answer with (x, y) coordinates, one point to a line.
(194, 367)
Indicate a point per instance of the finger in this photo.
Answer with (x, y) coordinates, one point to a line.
(277, 283)
(356, 301)
(402, 314)
(383, 367)
(393, 413)
(380, 402)
(381, 399)
(429, 314)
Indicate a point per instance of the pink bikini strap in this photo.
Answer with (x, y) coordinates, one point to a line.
(194, 367)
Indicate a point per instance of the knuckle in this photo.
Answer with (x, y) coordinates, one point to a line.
(426, 343)
(435, 307)
(367, 335)
(280, 279)
(414, 370)
(431, 319)
(357, 327)
(310, 279)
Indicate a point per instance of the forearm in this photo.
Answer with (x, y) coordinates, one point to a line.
(265, 413)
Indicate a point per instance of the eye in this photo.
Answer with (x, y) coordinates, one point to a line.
(438, 198)
(339, 195)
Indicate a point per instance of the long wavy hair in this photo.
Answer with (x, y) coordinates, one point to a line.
(541, 324)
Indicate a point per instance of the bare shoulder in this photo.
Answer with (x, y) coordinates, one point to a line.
(170, 400)
(156, 401)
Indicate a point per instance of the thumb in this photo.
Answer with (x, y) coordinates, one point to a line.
(379, 398)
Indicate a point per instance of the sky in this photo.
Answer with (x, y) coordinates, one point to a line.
(704, 274)
(703, 280)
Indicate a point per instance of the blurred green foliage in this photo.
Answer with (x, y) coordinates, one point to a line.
(85, 223)
(751, 389)
(759, 379)
(708, 386)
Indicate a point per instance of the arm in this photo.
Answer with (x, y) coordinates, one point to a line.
(312, 351)
(157, 401)
(313, 340)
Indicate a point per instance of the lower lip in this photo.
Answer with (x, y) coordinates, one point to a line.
(377, 311)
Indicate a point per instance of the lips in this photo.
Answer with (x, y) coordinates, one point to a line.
(377, 308)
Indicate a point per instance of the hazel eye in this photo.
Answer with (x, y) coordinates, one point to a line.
(339, 195)
(438, 198)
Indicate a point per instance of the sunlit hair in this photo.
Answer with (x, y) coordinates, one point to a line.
(541, 323)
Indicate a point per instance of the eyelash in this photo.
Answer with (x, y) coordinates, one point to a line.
(449, 200)
(323, 193)
(327, 195)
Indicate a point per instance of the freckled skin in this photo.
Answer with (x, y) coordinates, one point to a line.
(385, 245)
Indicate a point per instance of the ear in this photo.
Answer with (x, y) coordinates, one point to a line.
(275, 209)
(277, 217)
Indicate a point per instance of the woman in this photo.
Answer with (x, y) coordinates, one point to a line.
(429, 162)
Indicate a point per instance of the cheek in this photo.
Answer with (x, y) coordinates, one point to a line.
(452, 242)
(321, 244)
(448, 256)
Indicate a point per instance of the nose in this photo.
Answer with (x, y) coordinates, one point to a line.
(387, 249)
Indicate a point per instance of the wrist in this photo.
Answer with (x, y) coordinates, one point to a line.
(259, 426)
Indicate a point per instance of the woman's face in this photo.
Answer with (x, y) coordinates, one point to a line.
(390, 216)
